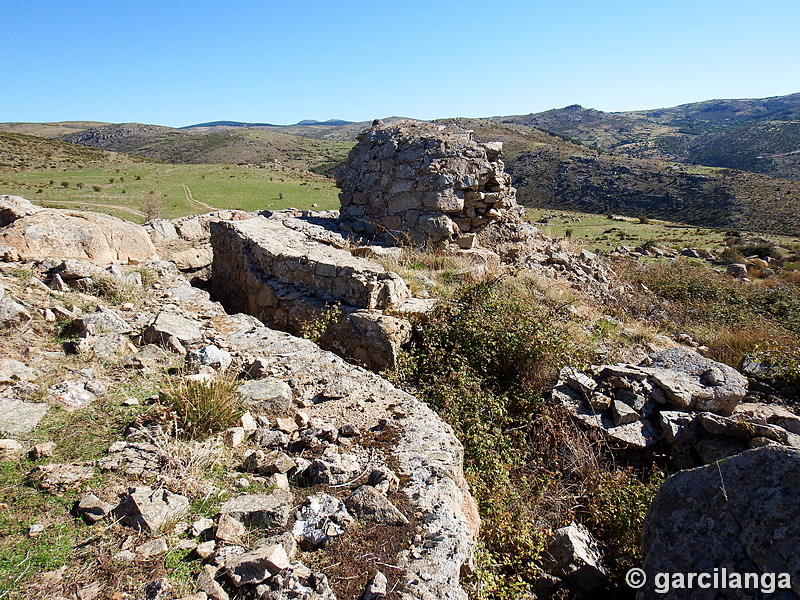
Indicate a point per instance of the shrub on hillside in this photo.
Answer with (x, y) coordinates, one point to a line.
(485, 360)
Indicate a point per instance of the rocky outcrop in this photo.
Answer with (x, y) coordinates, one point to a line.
(423, 183)
(67, 234)
(732, 519)
(186, 241)
(15, 207)
(678, 399)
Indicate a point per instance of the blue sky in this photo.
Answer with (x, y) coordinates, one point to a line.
(176, 62)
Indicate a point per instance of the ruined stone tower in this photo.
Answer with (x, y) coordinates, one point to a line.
(424, 183)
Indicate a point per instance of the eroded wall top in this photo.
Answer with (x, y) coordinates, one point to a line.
(421, 182)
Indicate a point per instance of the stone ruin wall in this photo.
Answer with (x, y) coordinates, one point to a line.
(424, 183)
(274, 269)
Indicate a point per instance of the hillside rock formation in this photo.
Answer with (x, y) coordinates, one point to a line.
(678, 400)
(423, 183)
(37, 233)
(331, 424)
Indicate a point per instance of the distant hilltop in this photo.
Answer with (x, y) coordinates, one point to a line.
(329, 123)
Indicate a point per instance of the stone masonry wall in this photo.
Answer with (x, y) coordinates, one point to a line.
(287, 278)
(423, 183)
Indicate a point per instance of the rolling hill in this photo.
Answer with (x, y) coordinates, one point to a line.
(759, 135)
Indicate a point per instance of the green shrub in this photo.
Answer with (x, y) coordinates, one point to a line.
(483, 360)
(203, 408)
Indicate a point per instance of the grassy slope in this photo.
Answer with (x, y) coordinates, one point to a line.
(49, 130)
(216, 145)
(26, 170)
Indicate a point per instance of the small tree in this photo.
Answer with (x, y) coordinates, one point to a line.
(152, 206)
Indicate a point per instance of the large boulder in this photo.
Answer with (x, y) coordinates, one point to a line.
(15, 207)
(67, 234)
(739, 515)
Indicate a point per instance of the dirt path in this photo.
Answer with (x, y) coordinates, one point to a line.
(76, 204)
(191, 199)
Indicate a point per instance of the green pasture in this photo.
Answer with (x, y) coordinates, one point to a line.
(179, 189)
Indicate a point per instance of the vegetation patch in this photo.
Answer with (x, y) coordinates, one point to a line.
(484, 360)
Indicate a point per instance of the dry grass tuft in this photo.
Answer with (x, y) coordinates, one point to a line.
(203, 408)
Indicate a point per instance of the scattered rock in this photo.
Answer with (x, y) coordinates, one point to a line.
(151, 510)
(40, 451)
(267, 395)
(151, 548)
(321, 518)
(573, 554)
(257, 566)
(206, 582)
(267, 463)
(376, 588)
(92, 508)
(369, 504)
(229, 530)
(59, 478)
(260, 510)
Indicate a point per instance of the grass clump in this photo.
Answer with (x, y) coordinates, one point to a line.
(115, 290)
(203, 408)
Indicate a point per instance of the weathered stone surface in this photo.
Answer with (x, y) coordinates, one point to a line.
(267, 395)
(15, 207)
(369, 504)
(18, 417)
(623, 414)
(573, 554)
(738, 514)
(207, 583)
(321, 518)
(229, 530)
(12, 313)
(171, 325)
(424, 183)
(12, 371)
(768, 414)
(68, 234)
(256, 256)
(103, 320)
(423, 450)
(693, 381)
(267, 463)
(43, 450)
(260, 510)
(257, 566)
(148, 509)
(333, 470)
(151, 548)
(60, 477)
(376, 587)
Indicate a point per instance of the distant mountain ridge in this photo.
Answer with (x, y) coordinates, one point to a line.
(329, 123)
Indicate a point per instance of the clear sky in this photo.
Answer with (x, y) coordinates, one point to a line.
(179, 62)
